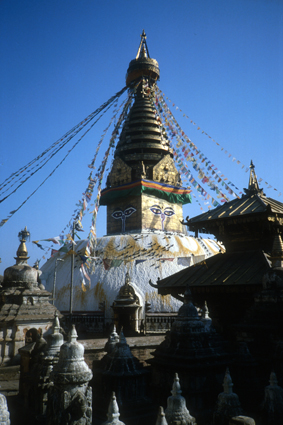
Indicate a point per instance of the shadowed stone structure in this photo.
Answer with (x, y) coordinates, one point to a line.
(113, 413)
(228, 404)
(41, 372)
(70, 399)
(197, 353)
(272, 406)
(123, 373)
(177, 412)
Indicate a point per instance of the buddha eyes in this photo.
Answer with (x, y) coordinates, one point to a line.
(122, 214)
(155, 209)
(129, 211)
(168, 211)
(117, 214)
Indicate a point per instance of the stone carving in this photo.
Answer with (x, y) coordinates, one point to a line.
(272, 406)
(4, 412)
(113, 413)
(161, 418)
(177, 412)
(228, 404)
(40, 373)
(112, 341)
(70, 398)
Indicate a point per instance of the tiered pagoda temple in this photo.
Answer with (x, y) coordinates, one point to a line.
(243, 287)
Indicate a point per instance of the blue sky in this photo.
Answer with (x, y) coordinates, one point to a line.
(221, 62)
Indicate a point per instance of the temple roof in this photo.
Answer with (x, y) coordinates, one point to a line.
(223, 270)
(253, 202)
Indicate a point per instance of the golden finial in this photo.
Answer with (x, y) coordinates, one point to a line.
(22, 253)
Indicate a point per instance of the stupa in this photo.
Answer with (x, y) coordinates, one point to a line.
(25, 309)
(144, 198)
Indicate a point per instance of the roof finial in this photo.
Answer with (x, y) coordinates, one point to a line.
(253, 188)
(143, 50)
(22, 253)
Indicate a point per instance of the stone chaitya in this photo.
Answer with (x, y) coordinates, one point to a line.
(197, 353)
(271, 410)
(113, 413)
(121, 372)
(70, 398)
(228, 404)
(161, 418)
(40, 382)
(176, 411)
(112, 341)
(25, 309)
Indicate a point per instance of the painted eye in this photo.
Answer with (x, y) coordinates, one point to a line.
(169, 212)
(117, 214)
(155, 209)
(129, 211)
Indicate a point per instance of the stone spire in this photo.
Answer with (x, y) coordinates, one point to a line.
(112, 341)
(277, 251)
(177, 411)
(113, 412)
(272, 406)
(161, 418)
(228, 404)
(206, 320)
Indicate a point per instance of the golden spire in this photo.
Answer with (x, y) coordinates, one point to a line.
(143, 49)
(22, 253)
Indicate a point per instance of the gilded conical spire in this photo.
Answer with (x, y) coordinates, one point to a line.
(143, 49)
(22, 253)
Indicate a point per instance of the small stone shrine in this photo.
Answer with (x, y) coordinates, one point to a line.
(123, 373)
(197, 353)
(70, 398)
(126, 308)
(4, 412)
(228, 404)
(161, 418)
(113, 413)
(272, 406)
(112, 341)
(24, 305)
(177, 412)
(40, 373)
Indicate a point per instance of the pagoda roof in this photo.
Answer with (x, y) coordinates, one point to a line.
(220, 272)
(247, 205)
(254, 202)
